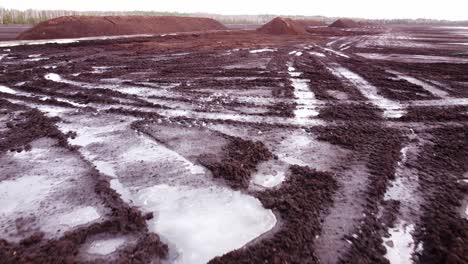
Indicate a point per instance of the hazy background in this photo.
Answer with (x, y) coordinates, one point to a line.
(241, 11)
(435, 9)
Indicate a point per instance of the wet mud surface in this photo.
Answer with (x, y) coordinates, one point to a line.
(295, 148)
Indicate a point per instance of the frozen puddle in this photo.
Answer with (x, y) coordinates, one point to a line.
(305, 98)
(42, 180)
(270, 174)
(408, 58)
(204, 222)
(391, 108)
(4, 89)
(196, 217)
(240, 117)
(77, 217)
(430, 88)
(400, 245)
(105, 246)
(318, 54)
(262, 50)
(38, 188)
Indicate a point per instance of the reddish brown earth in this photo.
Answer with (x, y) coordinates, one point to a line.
(283, 26)
(242, 87)
(88, 26)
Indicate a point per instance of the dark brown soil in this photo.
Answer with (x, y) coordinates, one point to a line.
(240, 158)
(88, 26)
(444, 232)
(27, 127)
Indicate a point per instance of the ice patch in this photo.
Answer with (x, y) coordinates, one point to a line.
(105, 246)
(464, 44)
(77, 217)
(100, 69)
(305, 98)
(37, 189)
(53, 77)
(204, 222)
(262, 50)
(391, 108)
(318, 54)
(4, 89)
(105, 167)
(124, 193)
(400, 245)
(270, 174)
(410, 58)
(430, 88)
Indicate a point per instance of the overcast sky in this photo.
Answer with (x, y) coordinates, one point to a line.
(438, 9)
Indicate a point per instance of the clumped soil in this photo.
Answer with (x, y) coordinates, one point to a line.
(239, 159)
(90, 26)
(298, 203)
(444, 232)
(380, 147)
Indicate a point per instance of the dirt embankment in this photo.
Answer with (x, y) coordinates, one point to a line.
(344, 23)
(283, 26)
(91, 26)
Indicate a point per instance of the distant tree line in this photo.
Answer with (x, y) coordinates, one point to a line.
(31, 17)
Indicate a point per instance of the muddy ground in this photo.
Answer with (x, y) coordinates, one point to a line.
(236, 147)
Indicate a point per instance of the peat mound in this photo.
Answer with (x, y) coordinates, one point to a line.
(92, 26)
(344, 23)
(283, 26)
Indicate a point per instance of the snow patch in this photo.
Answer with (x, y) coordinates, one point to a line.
(77, 217)
(391, 108)
(400, 245)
